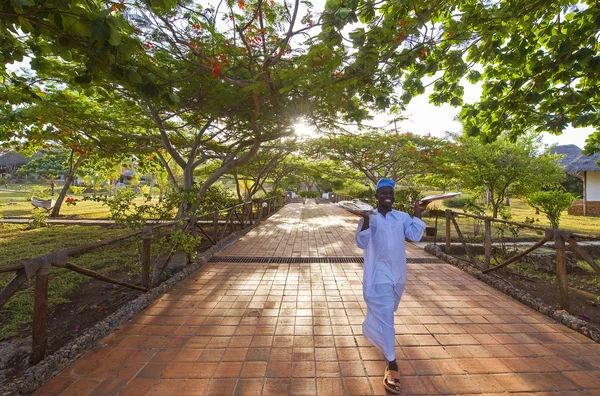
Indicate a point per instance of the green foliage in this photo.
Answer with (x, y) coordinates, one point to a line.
(457, 202)
(397, 156)
(39, 192)
(535, 61)
(406, 197)
(573, 185)
(217, 197)
(78, 190)
(49, 165)
(145, 189)
(501, 167)
(552, 203)
(38, 220)
(309, 194)
(124, 210)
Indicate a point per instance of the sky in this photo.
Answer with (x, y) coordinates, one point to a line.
(423, 117)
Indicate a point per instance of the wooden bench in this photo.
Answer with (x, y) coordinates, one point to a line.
(46, 204)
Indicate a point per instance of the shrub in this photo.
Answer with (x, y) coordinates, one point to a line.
(39, 192)
(217, 197)
(309, 194)
(456, 203)
(38, 220)
(145, 190)
(552, 203)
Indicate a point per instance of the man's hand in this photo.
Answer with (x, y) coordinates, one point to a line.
(420, 207)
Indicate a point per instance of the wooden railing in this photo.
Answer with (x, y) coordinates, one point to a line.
(560, 238)
(213, 227)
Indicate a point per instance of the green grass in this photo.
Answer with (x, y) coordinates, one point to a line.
(17, 243)
(23, 207)
(520, 211)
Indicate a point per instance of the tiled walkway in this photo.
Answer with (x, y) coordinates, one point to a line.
(255, 328)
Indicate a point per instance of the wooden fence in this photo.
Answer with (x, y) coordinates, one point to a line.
(560, 238)
(211, 226)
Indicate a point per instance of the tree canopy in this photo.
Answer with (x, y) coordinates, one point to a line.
(535, 60)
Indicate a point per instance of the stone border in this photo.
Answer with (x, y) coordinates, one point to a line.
(560, 316)
(34, 377)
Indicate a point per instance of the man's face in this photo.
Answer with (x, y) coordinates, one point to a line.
(385, 197)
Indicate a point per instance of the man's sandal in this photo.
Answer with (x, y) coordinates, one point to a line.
(391, 380)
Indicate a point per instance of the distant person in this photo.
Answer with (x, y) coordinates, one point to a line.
(381, 235)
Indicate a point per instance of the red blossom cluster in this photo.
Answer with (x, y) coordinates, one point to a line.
(118, 6)
(223, 59)
(216, 69)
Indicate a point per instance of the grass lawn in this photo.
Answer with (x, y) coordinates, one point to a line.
(15, 203)
(17, 243)
(520, 210)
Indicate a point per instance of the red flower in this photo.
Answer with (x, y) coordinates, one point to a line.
(223, 59)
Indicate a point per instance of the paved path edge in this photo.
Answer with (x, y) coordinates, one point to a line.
(561, 316)
(35, 376)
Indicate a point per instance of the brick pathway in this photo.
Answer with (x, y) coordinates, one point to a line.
(256, 328)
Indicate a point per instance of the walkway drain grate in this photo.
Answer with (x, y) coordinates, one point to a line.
(310, 260)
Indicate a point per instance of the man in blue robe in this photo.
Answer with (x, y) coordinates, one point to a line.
(381, 235)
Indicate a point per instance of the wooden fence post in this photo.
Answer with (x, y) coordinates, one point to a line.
(250, 215)
(487, 243)
(448, 220)
(39, 334)
(561, 269)
(216, 226)
(146, 256)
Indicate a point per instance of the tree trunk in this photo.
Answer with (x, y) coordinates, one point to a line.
(188, 185)
(227, 167)
(68, 181)
(51, 187)
(237, 187)
(152, 181)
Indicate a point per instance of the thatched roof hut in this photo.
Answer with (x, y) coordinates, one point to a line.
(584, 163)
(568, 153)
(587, 168)
(11, 161)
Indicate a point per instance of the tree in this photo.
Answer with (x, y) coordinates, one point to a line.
(552, 203)
(501, 165)
(398, 156)
(251, 178)
(50, 165)
(70, 118)
(536, 60)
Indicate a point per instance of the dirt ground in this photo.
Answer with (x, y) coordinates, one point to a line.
(582, 303)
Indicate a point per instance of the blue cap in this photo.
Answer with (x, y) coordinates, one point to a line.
(385, 183)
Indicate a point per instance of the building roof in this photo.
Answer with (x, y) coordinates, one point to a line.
(584, 163)
(574, 161)
(568, 153)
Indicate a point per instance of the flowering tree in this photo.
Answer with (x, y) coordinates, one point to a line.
(398, 156)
